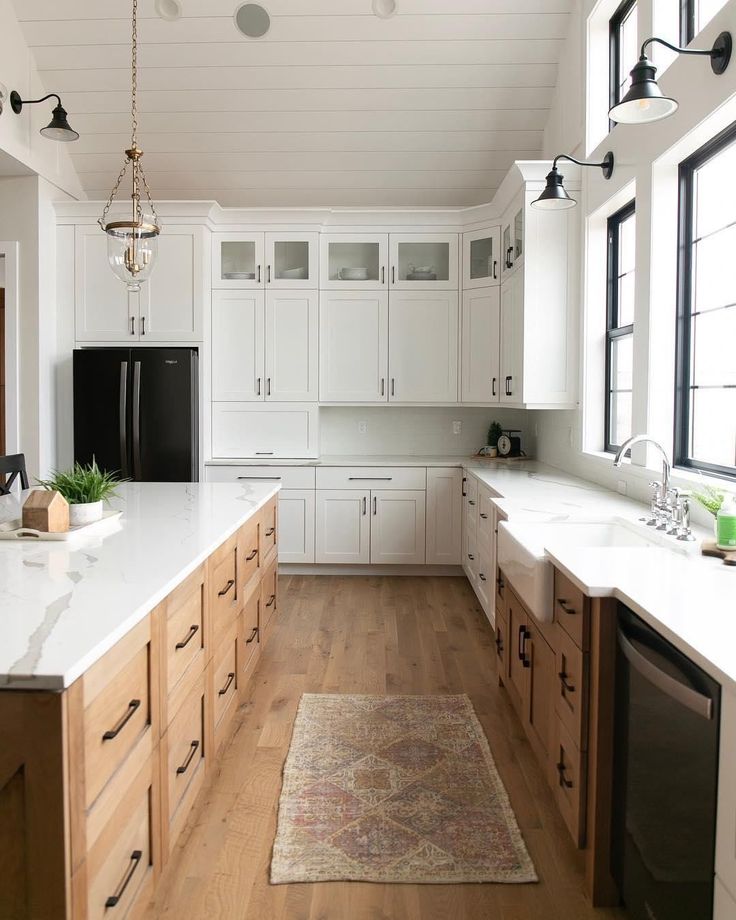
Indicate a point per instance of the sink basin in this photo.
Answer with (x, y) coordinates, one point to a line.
(522, 556)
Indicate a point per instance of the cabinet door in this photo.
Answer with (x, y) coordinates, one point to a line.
(519, 662)
(357, 261)
(353, 331)
(512, 340)
(423, 347)
(237, 260)
(398, 527)
(291, 346)
(104, 310)
(291, 260)
(424, 261)
(343, 526)
(237, 346)
(296, 525)
(482, 258)
(264, 430)
(172, 300)
(480, 346)
(540, 704)
(444, 516)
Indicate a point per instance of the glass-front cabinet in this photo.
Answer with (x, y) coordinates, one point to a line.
(354, 261)
(424, 261)
(512, 238)
(482, 258)
(237, 260)
(291, 260)
(255, 260)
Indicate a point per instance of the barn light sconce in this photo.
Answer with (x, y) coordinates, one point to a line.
(644, 101)
(555, 197)
(58, 129)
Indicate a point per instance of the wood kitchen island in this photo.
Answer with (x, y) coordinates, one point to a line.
(123, 657)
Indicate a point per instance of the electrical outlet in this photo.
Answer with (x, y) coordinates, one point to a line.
(569, 435)
(621, 486)
(362, 427)
(457, 427)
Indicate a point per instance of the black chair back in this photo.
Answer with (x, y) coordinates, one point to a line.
(11, 467)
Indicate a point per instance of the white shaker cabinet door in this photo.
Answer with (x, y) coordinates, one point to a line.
(423, 330)
(172, 306)
(512, 339)
(480, 346)
(444, 516)
(237, 346)
(353, 329)
(291, 346)
(343, 526)
(398, 527)
(264, 430)
(104, 310)
(296, 525)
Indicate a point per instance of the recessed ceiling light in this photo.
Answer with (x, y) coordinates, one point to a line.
(168, 9)
(384, 9)
(252, 20)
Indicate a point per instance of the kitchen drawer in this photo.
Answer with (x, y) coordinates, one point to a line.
(571, 688)
(269, 599)
(249, 555)
(269, 529)
(117, 879)
(183, 755)
(250, 639)
(243, 429)
(223, 588)
(470, 503)
(471, 557)
(484, 585)
(119, 707)
(568, 781)
(572, 611)
(485, 516)
(372, 477)
(289, 477)
(225, 675)
(184, 634)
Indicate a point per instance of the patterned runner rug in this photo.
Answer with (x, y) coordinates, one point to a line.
(394, 789)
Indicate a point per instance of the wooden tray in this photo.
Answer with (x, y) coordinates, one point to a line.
(12, 530)
(709, 548)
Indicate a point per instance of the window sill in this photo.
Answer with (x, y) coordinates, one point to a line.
(684, 478)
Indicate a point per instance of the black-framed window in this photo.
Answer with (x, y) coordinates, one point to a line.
(695, 15)
(705, 390)
(624, 50)
(621, 275)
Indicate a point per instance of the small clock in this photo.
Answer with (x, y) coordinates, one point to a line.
(509, 445)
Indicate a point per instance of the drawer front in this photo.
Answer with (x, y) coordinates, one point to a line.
(269, 596)
(568, 781)
(269, 525)
(264, 430)
(471, 557)
(484, 586)
(571, 688)
(114, 721)
(224, 590)
(225, 671)
(372, 477)
(250, 638)
(485, 516)
(185, 632)
(571, 610)
(185, 748)
(288, 477)
(249, 552)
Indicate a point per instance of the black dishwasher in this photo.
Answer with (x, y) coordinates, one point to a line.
(665, 777)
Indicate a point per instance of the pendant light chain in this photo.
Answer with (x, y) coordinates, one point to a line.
(134, 77)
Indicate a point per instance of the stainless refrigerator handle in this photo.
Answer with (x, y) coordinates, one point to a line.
(137, 420)
(696, 702)
(124, 419)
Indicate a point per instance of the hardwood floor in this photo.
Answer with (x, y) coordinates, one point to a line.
(364, 635)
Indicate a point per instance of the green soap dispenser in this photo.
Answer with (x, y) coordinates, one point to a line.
(726, 524)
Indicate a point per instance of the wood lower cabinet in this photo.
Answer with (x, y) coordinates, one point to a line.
(97, 782)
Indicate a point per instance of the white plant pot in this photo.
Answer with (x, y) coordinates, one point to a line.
(86, 513)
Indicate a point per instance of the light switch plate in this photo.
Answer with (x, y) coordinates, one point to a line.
(457, 427)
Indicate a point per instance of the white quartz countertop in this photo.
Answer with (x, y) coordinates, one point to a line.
(354, 460)
(64, 604)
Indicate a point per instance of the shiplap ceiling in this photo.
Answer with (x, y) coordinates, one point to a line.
(333, 107)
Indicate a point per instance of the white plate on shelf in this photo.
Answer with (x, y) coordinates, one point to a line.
(421, 276)
(238, 276)
(293, 273)
(13, 530)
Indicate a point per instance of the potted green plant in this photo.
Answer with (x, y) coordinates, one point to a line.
(494, 433)
(85, 487)
(711, 499)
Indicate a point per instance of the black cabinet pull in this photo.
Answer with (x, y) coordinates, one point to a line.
(519, 648)
(493, 387)
(271, 600)
(523, 636)
(271, 531)
(251, 556)
(227, 587)
(564, 781)
(509, 263)
(499, 641)
(562, 604)
(471, 556)
(188, 638)
(465, 479)
(471, 502)
(230, 679)
(135, 858)
(569, 688)
(482, 576)
(495, 267)
(500, 584)
(114, 732)
(132, 325)
(365, 506)
(259, 275)
(484, 516)
(192, 751)
(252, 635)
(268, 273)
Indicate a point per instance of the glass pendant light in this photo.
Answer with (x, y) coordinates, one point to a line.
(555, 197)
(132, 244)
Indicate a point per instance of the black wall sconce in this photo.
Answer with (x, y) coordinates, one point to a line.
(644, 101)
(555, 197)
(58, 129)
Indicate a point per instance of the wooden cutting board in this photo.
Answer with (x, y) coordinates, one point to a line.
(710, 548)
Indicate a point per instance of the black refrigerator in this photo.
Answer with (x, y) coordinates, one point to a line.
(136, 412)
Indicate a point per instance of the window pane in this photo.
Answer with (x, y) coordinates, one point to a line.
(713, 343)
(715, 184)
(713, 436)
(621, 362)
(715, 269)
(705, 10)
(626, 299)
(629, 51)
(626, 245)
(620, 418)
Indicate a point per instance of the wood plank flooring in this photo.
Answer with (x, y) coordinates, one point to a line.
(364, 635)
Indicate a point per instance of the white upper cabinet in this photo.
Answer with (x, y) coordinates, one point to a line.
(423, 331)
(291, 346)
(264, 430)
(481, 374)
(238, 372)
(512, 237)
(291, 260)
(512, 340)
(237, 260)
(482, 258)
(354, 261)
(353, 347)
(424, 261)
